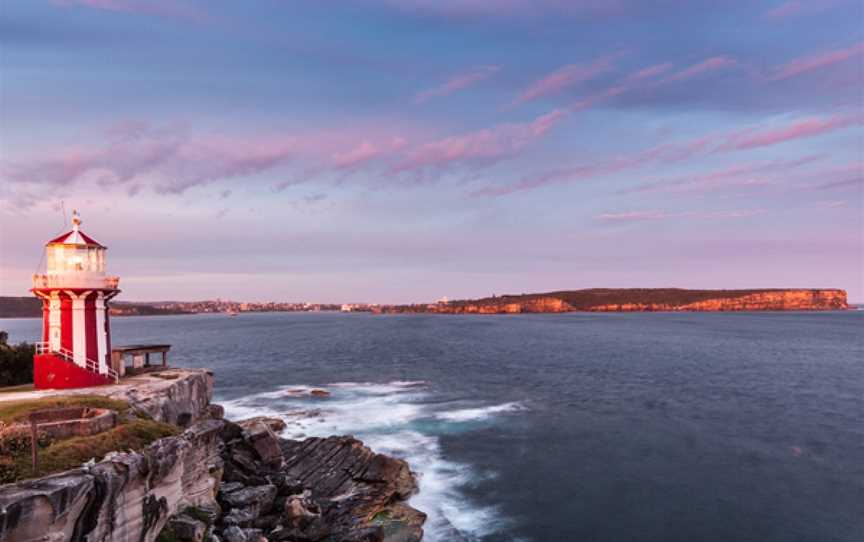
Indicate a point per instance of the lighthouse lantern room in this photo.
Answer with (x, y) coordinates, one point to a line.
(75, 291)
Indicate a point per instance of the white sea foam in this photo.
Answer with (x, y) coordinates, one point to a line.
(375, 388)
(386, 416)
(480, 413)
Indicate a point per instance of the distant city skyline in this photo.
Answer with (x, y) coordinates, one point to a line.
(396, 152)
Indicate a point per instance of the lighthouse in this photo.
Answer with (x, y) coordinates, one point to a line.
(75, 350)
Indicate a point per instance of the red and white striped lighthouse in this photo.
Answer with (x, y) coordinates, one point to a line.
(75, 351)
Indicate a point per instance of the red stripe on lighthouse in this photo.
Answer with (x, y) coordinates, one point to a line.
(107, 334)
(90, 327)
(65, 321)
(46, 319)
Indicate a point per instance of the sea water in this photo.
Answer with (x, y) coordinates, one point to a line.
(572, 427)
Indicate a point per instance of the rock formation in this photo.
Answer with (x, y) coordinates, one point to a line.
(175, 396)
(333, 489)
(127, 496)
(217, 481)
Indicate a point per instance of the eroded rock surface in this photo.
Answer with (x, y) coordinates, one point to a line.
(175, 396)
(128, 496)
(218, 481)
(333, 489)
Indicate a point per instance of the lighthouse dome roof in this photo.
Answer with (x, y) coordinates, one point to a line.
(75, 236)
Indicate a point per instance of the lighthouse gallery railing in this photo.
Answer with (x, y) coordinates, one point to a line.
(72, 281)
(68, 355)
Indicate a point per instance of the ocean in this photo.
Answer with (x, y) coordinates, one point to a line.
(566, 427)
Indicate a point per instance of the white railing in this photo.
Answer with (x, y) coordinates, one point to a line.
(68, 355)
(75, 280)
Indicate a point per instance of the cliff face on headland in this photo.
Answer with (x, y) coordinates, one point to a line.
(641, 300)
(217, 481)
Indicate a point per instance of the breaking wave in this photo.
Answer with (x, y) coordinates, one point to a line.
(401, 419)
(482, 413)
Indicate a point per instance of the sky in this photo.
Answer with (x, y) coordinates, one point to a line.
(398, 151)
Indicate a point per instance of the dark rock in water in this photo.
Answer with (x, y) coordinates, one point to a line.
(352, 483)
(275, 424)
(314, 393)
(265, 443)
(333, 489)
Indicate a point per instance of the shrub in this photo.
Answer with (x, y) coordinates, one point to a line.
(16, 362)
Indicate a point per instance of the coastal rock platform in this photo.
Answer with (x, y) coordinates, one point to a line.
(175, 396)
(216, 481)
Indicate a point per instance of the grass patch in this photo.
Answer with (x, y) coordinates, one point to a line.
(18, 411)
(131, 433)
(71, 453)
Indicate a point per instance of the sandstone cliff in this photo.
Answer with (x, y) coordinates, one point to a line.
(126, 497)
(635, 300)
(217, 481)
(785, 300)
(175, 396)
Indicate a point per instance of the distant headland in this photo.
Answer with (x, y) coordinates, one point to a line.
(590, 300)
(639, 300)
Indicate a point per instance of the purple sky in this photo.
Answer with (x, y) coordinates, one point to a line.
(404, 150)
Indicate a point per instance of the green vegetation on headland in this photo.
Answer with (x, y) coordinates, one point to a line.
(132, 432)
(16, 362)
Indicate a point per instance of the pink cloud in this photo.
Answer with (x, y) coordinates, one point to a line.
(482, 147)
(847, 176)
(679, 151)
(784, 10)
(457, 83)
(358, 155)
(171, 160)
(168, 159)
(642, 216)
(649, 72)
(510, 8)
(634, 216)
(799, 8)
(814, 62)
(159, 8)
(737, 175)
(707, 65)
(366, 152)
(753, 138)
(562, 79)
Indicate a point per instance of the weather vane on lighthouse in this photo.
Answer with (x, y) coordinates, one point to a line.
(75, 350)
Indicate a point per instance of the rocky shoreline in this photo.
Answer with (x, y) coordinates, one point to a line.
(217, 481)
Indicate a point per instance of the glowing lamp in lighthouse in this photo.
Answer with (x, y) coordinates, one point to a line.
(75, 350)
